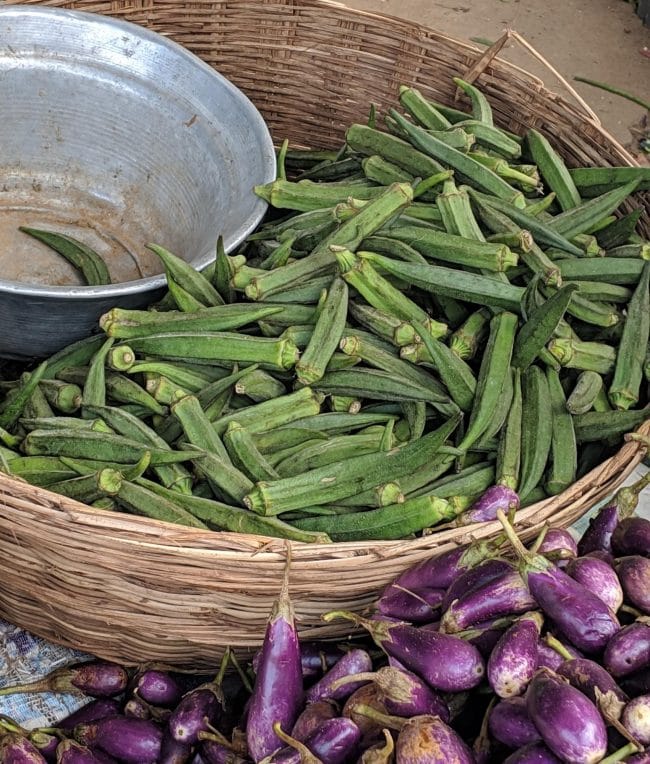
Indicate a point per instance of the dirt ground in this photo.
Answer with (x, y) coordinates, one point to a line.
(599, 39)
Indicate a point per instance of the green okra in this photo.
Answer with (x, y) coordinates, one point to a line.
(350, 234)
(163, 390)
(374, 384)
(553, 170)
(368, 141)
(345, 403)
(120, 358)
(495, 366)
(395, 521)
(594, 181)
(628, 371)
(469, 481)
(601, 425)
(381, 171)
(536, 429)
(307, 195)
(197, 427)
(88, 488)
(509, 449)
(499, 415)
(611, 270)
(340, 169)
(585, 391)
(539, 206)
(640, 249)
(468, 170)
(122, 389)
(461, 285)
(125, 324)
(481, 109)
(540, 326)
(273, 413)
(271, 442)
(415, 414)
(324, 452)
(601, 291)
(79, 255)
(380, 293)
(326, 334)
(336, 423)
(307, 293)
(234, 519)
(581, 218)
(493, 139)
(524, 181)
(382, 324)
(590, 311)
(189, 376)
(586, 356)
(39, 470)
(183, 300)
(342, 479)
(422, 110)
(65, 423)
(259, 385)
(561, 472)
(94, 387)
(187, 277)
(221, 274)
(38, 405)
(87, 444)
(446, 247)
(386, 245)
(619, 231)
(13, 408)
(142, 501)
(245, 455)
(457, 214)
(466, 339)
(221, 474)
(64, 396)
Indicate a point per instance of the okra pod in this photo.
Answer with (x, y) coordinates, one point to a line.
(197, 427)
(258, 385)
(385, 245)
(66, 397)
(536, 429)
(602, 425)
(375, 384)
(187, 277)
(509, 450)
(594, 181)
(611, 270)
(94, 392)
(466, 339)
(245, 455)
(381, 171)
(368, 142)
(586, 356)
(142, 501)
(88, 488)
(639, 249)
(587, 387)
(13, 409)
(324, 452)
(563, 451)
(422, 110)
(481, 109)
(39, 470)
(307, 195)
(493, 139)
(619, 230)
(553, 170)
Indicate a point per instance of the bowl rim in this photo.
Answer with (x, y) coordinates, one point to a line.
(158, 281)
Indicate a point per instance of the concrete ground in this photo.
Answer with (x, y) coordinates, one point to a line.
(599, 39)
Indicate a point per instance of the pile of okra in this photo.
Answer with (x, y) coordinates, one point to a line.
(438, 307)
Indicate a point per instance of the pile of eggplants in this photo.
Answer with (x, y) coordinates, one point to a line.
(491, 652)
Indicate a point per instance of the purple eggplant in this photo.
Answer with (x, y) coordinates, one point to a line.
(213, 752)
(98, 679)
(628, 651)
(354, 662)
(643, 757)
(484, 509)
(332, 743)
(91, 712)
(415, 606)
(634, 574)
(16, 749)
(599, 554)
(510, 724)
(504, 595)
(568, 722)
(364, 697)
(313, 715)
(558, 543)
(316, 657)
(428, 740)
(599, 577)
(438, 571)
(484, 636)
(173, 752)
(135, 708)
(632, 536)
(533, 753)
(134, 741)
(70, 752)
(514, 658)
(547, 657)
(582, 617)
(379, 753)
(598, 535)
(158, 688)
(596, 683)
(278, 690)
(445, 662)
(471, 579)
(636, 719)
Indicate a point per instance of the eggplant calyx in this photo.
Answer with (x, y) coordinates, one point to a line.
(530, 562)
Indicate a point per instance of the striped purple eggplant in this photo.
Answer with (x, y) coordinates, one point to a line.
(415, 606)
(91, 712)
(484, 636)
(158, 688)
(513, 660)
(547, 657)
(568, 722)
(595, 682)
(278, 690)
(45, 743)
(428, 740)
(643, 757)
(634, 574)
(632, 536)
(471, 579)
(133, 741)
(98, 679)
(510, 724)
(558, 544)
(598, 535)
(196, 710)
(365, 696)
(215, 753)
(484, 509)
(599, 577)
(628, 651)
(445, 662)
(355, 661)
(315, 658)
(636, 719)
(505, 595)
(70, 752)
(173, 752)
(533, 753)
(312, 716)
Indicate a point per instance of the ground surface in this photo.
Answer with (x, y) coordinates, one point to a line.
(600, 39)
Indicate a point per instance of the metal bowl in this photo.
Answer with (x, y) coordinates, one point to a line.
(119, 137)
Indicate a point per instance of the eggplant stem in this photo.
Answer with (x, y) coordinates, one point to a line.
(559, 648)
(512, 537)
(225, 660)
(621, 754)
(242, 674)
(11, 725)
(364, 676)
(540, 539)
(348, 615)
(632, 611)
(41, 685)
(306, 756)
(216, 736)
(413, 594)
(390, 722)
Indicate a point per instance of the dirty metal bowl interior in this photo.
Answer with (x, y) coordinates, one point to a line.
(117, 136)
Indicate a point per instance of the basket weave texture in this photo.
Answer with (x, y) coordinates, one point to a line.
(132, 589)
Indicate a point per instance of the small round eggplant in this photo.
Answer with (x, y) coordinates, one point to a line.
(510, 724)
(355, 661)
(634, 574)
(533, 753)
(45, 743)
(513, 661)
(16, 749)
(313, 715)
(196, 709)
(70, 752)
(628, 651)
(428, 740)
(599, 578)
(484, 509)
(558, 544)
(636, 719)
(470, 579)
(405, 694)
(632, 536)
(91, 712)
(133, 741)
(368, 695)
(415, 606)
(99, 679)
(588, 676)
(158, 688)
(568, 722)
(315, 658)
(335, 740)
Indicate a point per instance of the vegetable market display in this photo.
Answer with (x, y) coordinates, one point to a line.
(385, 347)
(489, 653)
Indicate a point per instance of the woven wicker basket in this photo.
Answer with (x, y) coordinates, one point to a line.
(131, 589)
